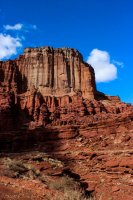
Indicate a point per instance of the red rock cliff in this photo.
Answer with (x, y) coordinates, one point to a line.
(49, 102)
(47, 85)
(43, 79)
(57, 72)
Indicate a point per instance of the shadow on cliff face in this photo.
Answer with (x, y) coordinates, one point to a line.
(41, 139)
(46, 139)
(100, 96)
(21, 81)
(22, 139)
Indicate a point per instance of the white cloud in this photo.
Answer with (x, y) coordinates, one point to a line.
(104, 70)
(19, 27)
(29, 27)
(15, 27)
(8, 45)
(120, 64)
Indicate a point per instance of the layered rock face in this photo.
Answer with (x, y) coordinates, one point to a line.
(49, 102)
(51, 86)
(56, 72)
(43, 79)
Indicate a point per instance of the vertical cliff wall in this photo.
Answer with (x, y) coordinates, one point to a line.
(57, 72)
(51, 86)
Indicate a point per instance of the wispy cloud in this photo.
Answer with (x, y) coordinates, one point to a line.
(29, 27)
(33, 26)
(9, 45)
(120, 64)
(104, 70)
(20, 27)
(15, 27)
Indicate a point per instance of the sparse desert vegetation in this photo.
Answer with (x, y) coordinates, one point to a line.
(28, 169)
(70, 189)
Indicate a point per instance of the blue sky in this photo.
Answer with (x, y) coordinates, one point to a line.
(102, 30)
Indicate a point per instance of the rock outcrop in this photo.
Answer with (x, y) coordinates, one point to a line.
(46, 85)
(49, 102)
(54, 72)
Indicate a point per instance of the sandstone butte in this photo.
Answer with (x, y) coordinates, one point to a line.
(49, 103)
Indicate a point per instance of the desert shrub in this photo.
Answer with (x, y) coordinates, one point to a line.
(62, 184)
(17, 168)
(14, 168)
(73, 195)
(69, 188)
(53, 162)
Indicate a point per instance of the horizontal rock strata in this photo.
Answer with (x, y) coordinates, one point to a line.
(49, 102)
